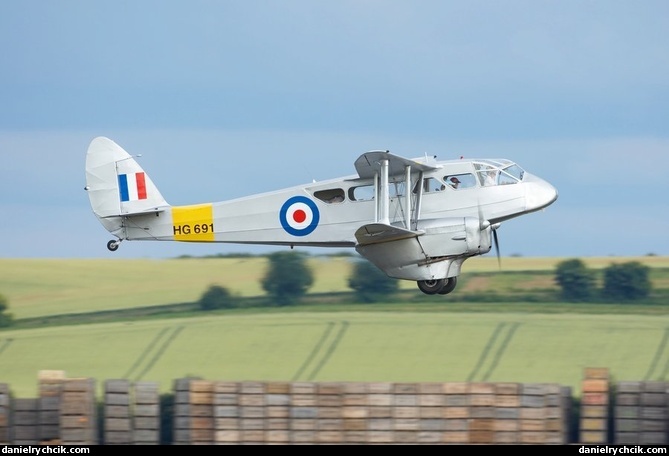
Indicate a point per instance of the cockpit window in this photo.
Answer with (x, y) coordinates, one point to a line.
(486, 174)
(430, 185)
(460, 181)
(514, 171)
(498, 172)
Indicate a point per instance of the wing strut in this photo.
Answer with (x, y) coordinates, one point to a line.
(407, 197)
(384, 198)
(380, 165)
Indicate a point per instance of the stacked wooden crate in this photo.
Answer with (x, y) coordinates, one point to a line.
(369, 413)
(193, 411)
(543, 416)
(277, 415)
(431, 420)
(252, 412)
(507, 413)
(146, 413)
(303, 413)
(653, 404)
(50, 387)
(405, 413)
(5, 423)
(481, 412)
(117, 413)
(226, 413)
(627, 412)
(329, 421)
(641, 413)
(78, 412)
(25, 421)
(594, 406)
(355, 412)
(379, 413)
(456, 412)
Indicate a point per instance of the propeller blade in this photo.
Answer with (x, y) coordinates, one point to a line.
(499, 259)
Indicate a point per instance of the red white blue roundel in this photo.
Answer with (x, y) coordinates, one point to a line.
(299, 216)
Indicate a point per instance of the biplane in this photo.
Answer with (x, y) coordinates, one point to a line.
(416, 219)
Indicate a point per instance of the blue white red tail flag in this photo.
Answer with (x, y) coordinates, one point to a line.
(132, 187)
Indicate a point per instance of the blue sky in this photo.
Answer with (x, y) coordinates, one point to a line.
(229, 98)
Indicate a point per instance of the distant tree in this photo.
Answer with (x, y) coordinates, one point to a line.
(627, 281)
(369, 283)
(288, 277)
(576, 281)
(217, 297)
(6, 319)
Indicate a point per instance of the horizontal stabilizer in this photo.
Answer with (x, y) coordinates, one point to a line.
(153, 210)
(376, 233)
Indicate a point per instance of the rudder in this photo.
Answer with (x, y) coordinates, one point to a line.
(117, 185)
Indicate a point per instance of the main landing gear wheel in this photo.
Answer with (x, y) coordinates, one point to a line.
(113, 245)
(431, 286)
(449, 286)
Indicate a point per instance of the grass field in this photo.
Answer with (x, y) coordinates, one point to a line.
(386, 342)
(344, 346)
(36, 288)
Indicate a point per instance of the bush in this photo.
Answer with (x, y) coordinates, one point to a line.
(369, 283)
(6, 319)
(288, 277)
(576, 280)
(628, 281)
(217, 297)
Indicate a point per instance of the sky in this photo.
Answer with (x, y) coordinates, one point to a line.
(226, 98)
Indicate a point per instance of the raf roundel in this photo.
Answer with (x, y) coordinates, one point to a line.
(299, 216)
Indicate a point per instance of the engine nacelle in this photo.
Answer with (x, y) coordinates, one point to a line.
(437, 253)
(454, 236)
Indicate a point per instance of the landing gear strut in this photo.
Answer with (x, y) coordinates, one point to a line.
(113, 245)
(437, 286)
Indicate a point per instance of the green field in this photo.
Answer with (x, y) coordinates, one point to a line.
(37, 288)
(394, 342)
(343, 346)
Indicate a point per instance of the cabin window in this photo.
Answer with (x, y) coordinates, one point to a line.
(361, 193)
(460, 181)
(396, 188)
(333, 195)
(366, 192)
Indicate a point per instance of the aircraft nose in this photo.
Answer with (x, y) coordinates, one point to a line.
(539, 193)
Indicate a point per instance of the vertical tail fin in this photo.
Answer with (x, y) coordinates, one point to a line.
(116, 184)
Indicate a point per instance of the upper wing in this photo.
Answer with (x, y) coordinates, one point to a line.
(368, 164)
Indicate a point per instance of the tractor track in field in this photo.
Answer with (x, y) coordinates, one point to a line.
(499, 341)
(324, 349)
(659, 353)
(165, 338)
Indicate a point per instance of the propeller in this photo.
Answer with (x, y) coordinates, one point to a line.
(496, 241)
(485, 224)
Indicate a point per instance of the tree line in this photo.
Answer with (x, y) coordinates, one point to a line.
(627, 281)
(289, 277)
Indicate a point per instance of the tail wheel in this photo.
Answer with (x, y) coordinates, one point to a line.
(449, 286)
(431, 287)
(113, 245)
